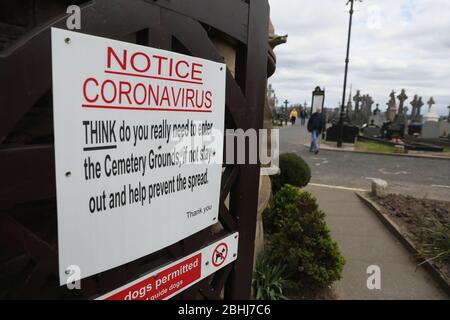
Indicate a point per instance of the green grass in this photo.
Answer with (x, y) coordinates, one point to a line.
(436, 243)
(447, 149)
(370, 146)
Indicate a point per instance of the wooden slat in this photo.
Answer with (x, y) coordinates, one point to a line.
(216, 13)
(228, 178)
(28, 174)
(194, 38)
(220, 278)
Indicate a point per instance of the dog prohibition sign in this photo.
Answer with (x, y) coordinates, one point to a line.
(220, 254)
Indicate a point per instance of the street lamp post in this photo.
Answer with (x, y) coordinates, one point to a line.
(286, 102)
(341, 117)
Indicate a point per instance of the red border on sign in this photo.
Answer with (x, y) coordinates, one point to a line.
(220, 254)
(166, 283)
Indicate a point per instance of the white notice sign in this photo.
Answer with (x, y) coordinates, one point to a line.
(138, 148)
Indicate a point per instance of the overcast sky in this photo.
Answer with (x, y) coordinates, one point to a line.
(395, 44)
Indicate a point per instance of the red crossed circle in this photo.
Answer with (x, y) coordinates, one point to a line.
(220, 254)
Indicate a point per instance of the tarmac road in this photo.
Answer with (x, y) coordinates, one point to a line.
(428, 178)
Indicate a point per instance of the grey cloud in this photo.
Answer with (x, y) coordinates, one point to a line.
(391, 53)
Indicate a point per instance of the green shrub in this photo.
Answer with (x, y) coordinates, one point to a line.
(300, 239)
(269, 279)
(293, 170)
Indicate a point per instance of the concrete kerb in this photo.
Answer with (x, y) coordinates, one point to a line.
(327, 148)
(395, 229)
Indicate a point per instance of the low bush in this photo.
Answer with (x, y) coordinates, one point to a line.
(300, 239)
(293, 170)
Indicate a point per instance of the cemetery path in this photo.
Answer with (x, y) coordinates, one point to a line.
(365, 242)
(363, 239)
(418, 177)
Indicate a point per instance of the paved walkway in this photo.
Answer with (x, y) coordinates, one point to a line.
(365, 241)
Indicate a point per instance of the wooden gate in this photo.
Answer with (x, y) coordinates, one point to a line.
(28, 229)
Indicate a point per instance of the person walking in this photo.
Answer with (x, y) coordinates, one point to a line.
(293, 116)
(302, 117)
(316, 125)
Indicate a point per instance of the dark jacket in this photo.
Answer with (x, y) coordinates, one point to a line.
(316, 122)
(303, 114)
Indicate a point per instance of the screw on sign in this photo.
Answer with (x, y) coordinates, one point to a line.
(220, 254)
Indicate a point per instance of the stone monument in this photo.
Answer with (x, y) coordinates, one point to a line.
(415, 128)
(364, 112)
(402, 97)
(401, 118)
(357, 99)
(372, 130)
(392, 107)
(366, 106)
(430, 127)
(370, 103)
(444, 126)
(448, 121)
(432, 114)
(363, 105)
(377, 118)
(349, 108)
(417, 106)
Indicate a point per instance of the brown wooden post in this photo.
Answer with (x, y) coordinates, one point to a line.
(244, 198)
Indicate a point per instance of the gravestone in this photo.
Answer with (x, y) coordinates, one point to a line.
(401, 117)
(358, 99)
(430, 127)
(349, 107)
(377, 118)
(430, 130)
(372, 130)
(370, 103)
(361, 113)
(444, 128)
(396, 122)
(415, 127)
(364, 103)
(432, 114)
(366, 108)
(392, 130)
(448, 120)
(417, 109)
(336, 115)
(392, 107)
(402, 97)
(350, 133)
